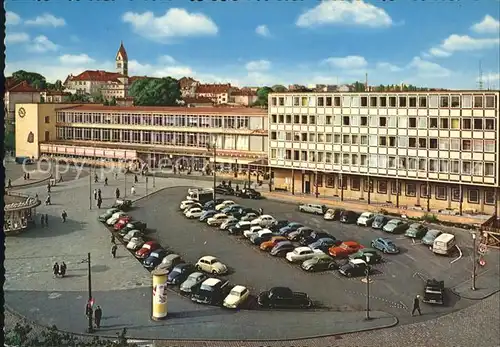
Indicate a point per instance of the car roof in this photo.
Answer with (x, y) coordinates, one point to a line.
(196, 274)
(351, 243)
(367, 250)
(211, 282)
(434, 231)
(226, 201)
(243, 222)
(239, 289)
(445, 237)
(415, 225)
(208, 257)
(220, 215)
(357, 261)
(266, 216)
(284, 242)
(385, 239)
(172, 256)
(264, 231)
(300, 249)
(364, 214)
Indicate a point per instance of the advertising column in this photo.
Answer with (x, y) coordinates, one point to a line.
(159, 294)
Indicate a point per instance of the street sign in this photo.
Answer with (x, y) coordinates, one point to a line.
(482, 262)
(482, 249)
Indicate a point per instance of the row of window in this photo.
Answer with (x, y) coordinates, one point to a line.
(409, 189)
(238, 142)
(454, 166)
(415, 101)
(401, 122)
(232, 122)
(475, 145)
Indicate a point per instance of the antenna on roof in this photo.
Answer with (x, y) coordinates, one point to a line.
(480, 81)
(366, 81)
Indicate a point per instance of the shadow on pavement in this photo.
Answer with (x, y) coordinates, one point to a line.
(55, 228)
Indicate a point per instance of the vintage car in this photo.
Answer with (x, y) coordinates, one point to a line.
(237, 296)
(123, 204)
(345, 249)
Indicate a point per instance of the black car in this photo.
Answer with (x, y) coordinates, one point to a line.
(249, 194)
(356, 267)
(224, 190)
(246, 210)
(134, 224)
(379, 221)
(257, 240)
(123, 204)
(278, 225)
(282, 248)
(434, 292)
(239, 228)
(348, 217)
(210, 205)
(315, 236)
(155, 258)
(212, 291)
(300, 233)
(283, 297)
(180, 273)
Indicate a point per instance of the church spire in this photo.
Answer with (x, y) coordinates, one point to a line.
(121, 60)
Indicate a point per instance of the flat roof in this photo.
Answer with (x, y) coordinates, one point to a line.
(162, 109)
(448, 91)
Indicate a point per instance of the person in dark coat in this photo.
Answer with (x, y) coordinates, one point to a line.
(46, 220)
(28, 175)
(113, 239)
(62, 269)
(136, 179)
(95, 194)
(99, 203)
(99, 194)
(416, 306)
(10, 183)
(55, 269)
(113, 250)
(96, 179)
(64, 215)
(117, 193)
(98, 316)
(88, 311)
(42, 220)
(48, 187)
(105, 181)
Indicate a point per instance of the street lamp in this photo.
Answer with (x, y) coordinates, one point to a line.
(473, 261)
(214, 147)
(90, 328)
(367, 273)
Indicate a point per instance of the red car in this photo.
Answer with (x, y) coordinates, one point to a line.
(146, 249)
(345, 249)
(121, 223)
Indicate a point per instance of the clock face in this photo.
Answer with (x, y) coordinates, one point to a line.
(22, 112)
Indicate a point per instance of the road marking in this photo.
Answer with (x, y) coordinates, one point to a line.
(459, 256)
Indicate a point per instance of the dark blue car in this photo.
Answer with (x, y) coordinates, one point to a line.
(289, 228)
(325, 243)
(210, 205)
(207, 214)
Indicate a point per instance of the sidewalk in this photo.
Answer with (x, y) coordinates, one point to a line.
(35, 177)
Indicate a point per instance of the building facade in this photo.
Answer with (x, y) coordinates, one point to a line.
(16, 93)
(218, 93)
(428, 150)
(152, 134)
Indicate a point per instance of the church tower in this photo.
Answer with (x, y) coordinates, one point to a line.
(121, 61)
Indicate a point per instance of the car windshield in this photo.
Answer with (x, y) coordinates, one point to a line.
(389, 243)
(235, 293)
(146, 246)
(176, 270)
(206, 288)
(366, 215)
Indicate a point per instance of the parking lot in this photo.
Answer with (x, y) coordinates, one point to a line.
(395, 281)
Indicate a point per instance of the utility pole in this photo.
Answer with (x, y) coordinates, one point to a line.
(90, 187)
(90, 328)
(474, 261)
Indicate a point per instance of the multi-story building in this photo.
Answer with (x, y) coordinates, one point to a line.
(188, 87)
(54, 96)
(243, 97)
(152, 134)
(433, 150)
(218, 93)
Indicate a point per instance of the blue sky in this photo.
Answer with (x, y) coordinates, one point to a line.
(433, 43)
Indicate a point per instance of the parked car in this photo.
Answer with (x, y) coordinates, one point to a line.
(155, 258)
(131, 234)
(228, 223)
(313, 208)
(249, 194)
(194, 213)
(277, 225)
(254, 230)
(224, 190)
(236, 297)
(192, 281)
(211, 265)
(268, 245)
(210, 205)
(333, 214)
(126, 229)
(283, 297)
(231, 208)
(379, 221)
(121, 223)
(366, 219)
(115, 217)
(289, 228)
(395, 226)
(385, 245)
(245, 210)
(300, 254)
(262, 236)
(224, 204)
(146, 249)
(180, 273)
(169, 261)
(356, 267)
(186, 203)
(107, 215)
(249, 217)
(239, 228)
(123, 204)
(207, 214)
(264, 221)
(325, 243)
(300, 233)
(319, 262)
(430, 236)
(135, 243)
(212, 291)
(416, 231)
(349, 217)
(190, 207)
(282, 248)
(368, 255)
(345, 249)
(135, 224)
(217, 219)
(315, 236)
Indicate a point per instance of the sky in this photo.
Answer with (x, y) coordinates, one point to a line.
(439, 44)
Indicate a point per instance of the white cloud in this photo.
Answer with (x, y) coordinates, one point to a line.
(438, 52)
(456, 43)
(488, 25)
(258, 65)
(427, 69)
(345, 12)
(351, 62)
(13, 38)
(12, 18)
(491, 78)
(42, 44)
(263, 30)
(176, 22)
(166, 59)
(388, 67)
(176, 71)
(78, 59)
(47, 19)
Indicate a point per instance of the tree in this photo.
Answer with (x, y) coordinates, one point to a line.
(359, 87)
(9, 140)
(262, 94)
(278, 88)
(58, 86)
(79, 98)
(34, 79)
(156, 92)
(112, 102)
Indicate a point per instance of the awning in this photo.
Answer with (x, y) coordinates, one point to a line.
(223, 160)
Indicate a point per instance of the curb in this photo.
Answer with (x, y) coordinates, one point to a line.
(482, 297)
(14, 186)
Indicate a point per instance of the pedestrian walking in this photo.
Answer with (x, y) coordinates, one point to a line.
(62, 269)
(99, 196)
(47, 200)
(105, 181)
(96, 178)
(36, 197)
(229, 183)
(99, 203)
(64, 215)
(98, 316)
(95, 194)
(261, 211)
(28, 175)
(132, 190)
(42, 220)
(46, 220)
(116, 175)
(48, 187)
(55, 269)
(416, 306)
(136, 179)
(10, 183)
(25, 177)
(88, 311)
(237, 187)
(113, 239)
(113, 250)
(117, 193)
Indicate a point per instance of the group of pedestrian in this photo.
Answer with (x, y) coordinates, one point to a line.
(95, 315)
(44, 220)
(26, 176)
(98, 197)
(59, 270)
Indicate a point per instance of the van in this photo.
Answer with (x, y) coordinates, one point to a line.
(444, 244)
(200, 195)
(312, 208)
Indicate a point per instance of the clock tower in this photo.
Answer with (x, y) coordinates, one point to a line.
(121, 61)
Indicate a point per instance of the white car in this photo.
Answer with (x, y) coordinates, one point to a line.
(236, 297)
(249, 216)
(114, 218)
(300, 254)
(131, 234)
(217, 219)
(260, 234)
(264, 221)
(194, 213)
(329, 214)
(366, 219)
(252, 231)
(211, 265)
(186, 203)
(224, 204)
(135, 243)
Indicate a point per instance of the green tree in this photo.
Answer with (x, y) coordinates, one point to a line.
(278, 88)
(58, 86)
(34, 79)
(156, 92)
(262, 94)
(79, 98)
(112, 102)
(359, 87)
(9, 140)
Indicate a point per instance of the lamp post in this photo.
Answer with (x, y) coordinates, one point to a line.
(367, 273)
(90, 328)
(90, 187)
(473, 261)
